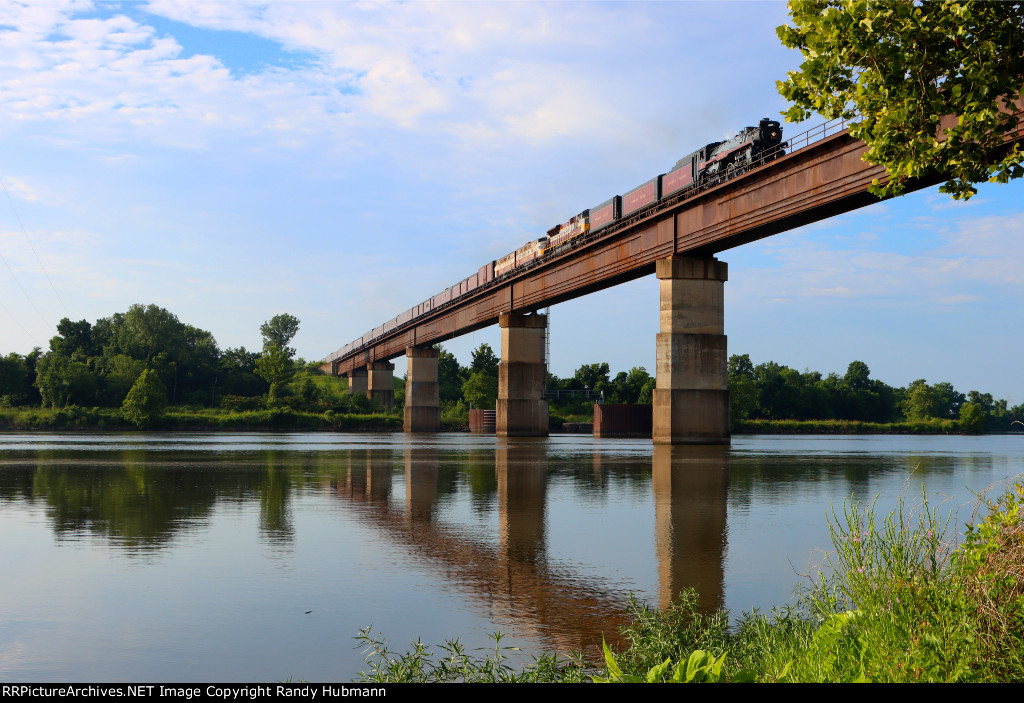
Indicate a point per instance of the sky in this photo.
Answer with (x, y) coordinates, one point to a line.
(341, 162)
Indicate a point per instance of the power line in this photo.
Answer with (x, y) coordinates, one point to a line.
(32, 246)
(24, 292)
(18, 323)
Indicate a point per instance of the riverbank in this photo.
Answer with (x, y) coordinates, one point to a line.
(195, 419)
(847, 427)
(191, 418)
(901, 607)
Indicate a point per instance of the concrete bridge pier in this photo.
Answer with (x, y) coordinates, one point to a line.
(691, 395)
(522, 376)
(380, 384)
(357, 380)
(422, 400)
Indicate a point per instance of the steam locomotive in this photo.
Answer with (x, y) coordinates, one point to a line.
(710, 165)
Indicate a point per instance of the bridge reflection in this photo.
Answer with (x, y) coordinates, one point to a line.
(509, 572)
(691, 487)
(499, 547)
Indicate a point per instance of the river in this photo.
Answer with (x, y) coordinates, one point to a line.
(259, 556)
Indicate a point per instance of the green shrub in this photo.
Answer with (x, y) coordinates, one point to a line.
(455, 414)
(146, 400)
(991, 570)
(238, 402)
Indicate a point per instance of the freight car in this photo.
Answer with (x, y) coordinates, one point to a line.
(714, 163)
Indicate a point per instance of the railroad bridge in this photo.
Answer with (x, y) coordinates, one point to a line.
(677, 238)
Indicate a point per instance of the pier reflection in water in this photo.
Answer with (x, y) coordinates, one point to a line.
(506, 571)
(691, 490)
(179, 557)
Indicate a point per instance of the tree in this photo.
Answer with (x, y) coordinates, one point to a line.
(62, 381)
(146, 400)
(450, 376)
(941, 401)
(593, 377)
(972, 418)
(948, 400)
(74, 340)
(858, 376)
(647, 392)
(274, 366)
(484, 361)
(145, 332)
(279, 331)
(627, 387)
(13, 379)
(237, 373)
(481, 390)
(121, 374)
(898, 68)
(742, 389)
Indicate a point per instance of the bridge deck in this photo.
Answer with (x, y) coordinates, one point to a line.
(823, 179)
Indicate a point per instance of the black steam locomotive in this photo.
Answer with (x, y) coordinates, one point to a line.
(714, 163)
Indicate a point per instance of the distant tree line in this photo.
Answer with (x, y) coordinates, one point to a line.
(146, 358)
(767, 391)
(476, 385)
(97, 364)
(771, 391)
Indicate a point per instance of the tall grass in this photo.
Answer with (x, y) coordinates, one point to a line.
(899, 602)
(453, 663)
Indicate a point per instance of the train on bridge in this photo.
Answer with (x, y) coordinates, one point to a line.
(710, 165)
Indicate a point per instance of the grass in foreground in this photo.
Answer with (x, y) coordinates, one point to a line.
(900, 607)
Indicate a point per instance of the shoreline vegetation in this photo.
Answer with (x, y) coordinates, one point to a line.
(896, 601)
(197, 418)
(148, 369)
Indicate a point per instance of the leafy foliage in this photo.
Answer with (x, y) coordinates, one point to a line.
(14, 379)
(62, 381)
(671, 634)
(450, 376)
(991, 564)
(146, 400)
(972, 418)
(899, 69)
(772, 391)
(278, 331)
(274, 366)
(481, 390)
(484, 361)
(699, 667)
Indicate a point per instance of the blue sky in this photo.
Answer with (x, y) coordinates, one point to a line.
(344, 161)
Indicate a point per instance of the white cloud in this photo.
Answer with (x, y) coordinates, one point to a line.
(958, 299)
(970, 261)
(19, 188)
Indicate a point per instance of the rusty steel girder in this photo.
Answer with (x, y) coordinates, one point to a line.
(824, 179)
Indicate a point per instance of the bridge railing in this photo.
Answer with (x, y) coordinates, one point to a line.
(795, 143)
(558, 394)
(816, 134)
